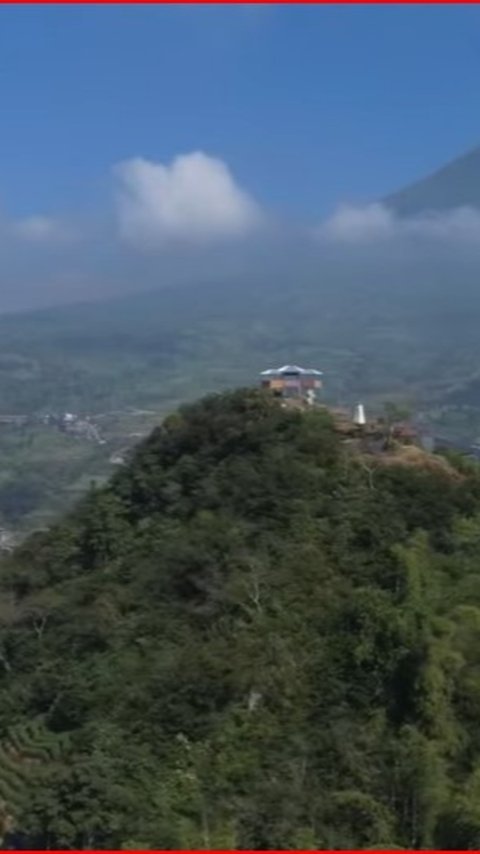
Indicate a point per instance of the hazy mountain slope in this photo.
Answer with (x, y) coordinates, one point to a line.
(390, 327)
(455, 185)
(375, 320)
(374, 325)
(246, 641)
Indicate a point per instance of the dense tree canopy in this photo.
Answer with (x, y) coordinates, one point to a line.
(247, 641)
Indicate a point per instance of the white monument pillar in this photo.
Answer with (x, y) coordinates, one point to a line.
(359, 415)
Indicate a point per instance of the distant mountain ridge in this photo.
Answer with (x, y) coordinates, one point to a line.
(455, 185)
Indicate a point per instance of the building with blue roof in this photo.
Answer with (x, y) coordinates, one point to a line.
(291, 381)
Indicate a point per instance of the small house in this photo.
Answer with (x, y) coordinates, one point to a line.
(290, 381)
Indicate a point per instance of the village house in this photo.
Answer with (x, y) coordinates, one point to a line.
(292, 382)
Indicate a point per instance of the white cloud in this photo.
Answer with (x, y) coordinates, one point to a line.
(194, 199)
(358, 225)
(459, 224)
(376, 223)
(40, 230)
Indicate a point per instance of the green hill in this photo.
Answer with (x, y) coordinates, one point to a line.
(253, 637)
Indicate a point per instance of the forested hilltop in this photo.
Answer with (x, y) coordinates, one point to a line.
(253, 637)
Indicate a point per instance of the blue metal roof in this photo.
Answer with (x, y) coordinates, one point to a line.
(291, 369)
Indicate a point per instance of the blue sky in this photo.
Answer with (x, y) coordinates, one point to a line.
(308, 106)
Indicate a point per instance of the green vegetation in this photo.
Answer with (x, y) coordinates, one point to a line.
(38, 466)
(44, 471)
(252, 637)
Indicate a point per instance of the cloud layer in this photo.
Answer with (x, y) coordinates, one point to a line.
(41, 230)
(189, 220)
(194, 199)
(375, 224)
